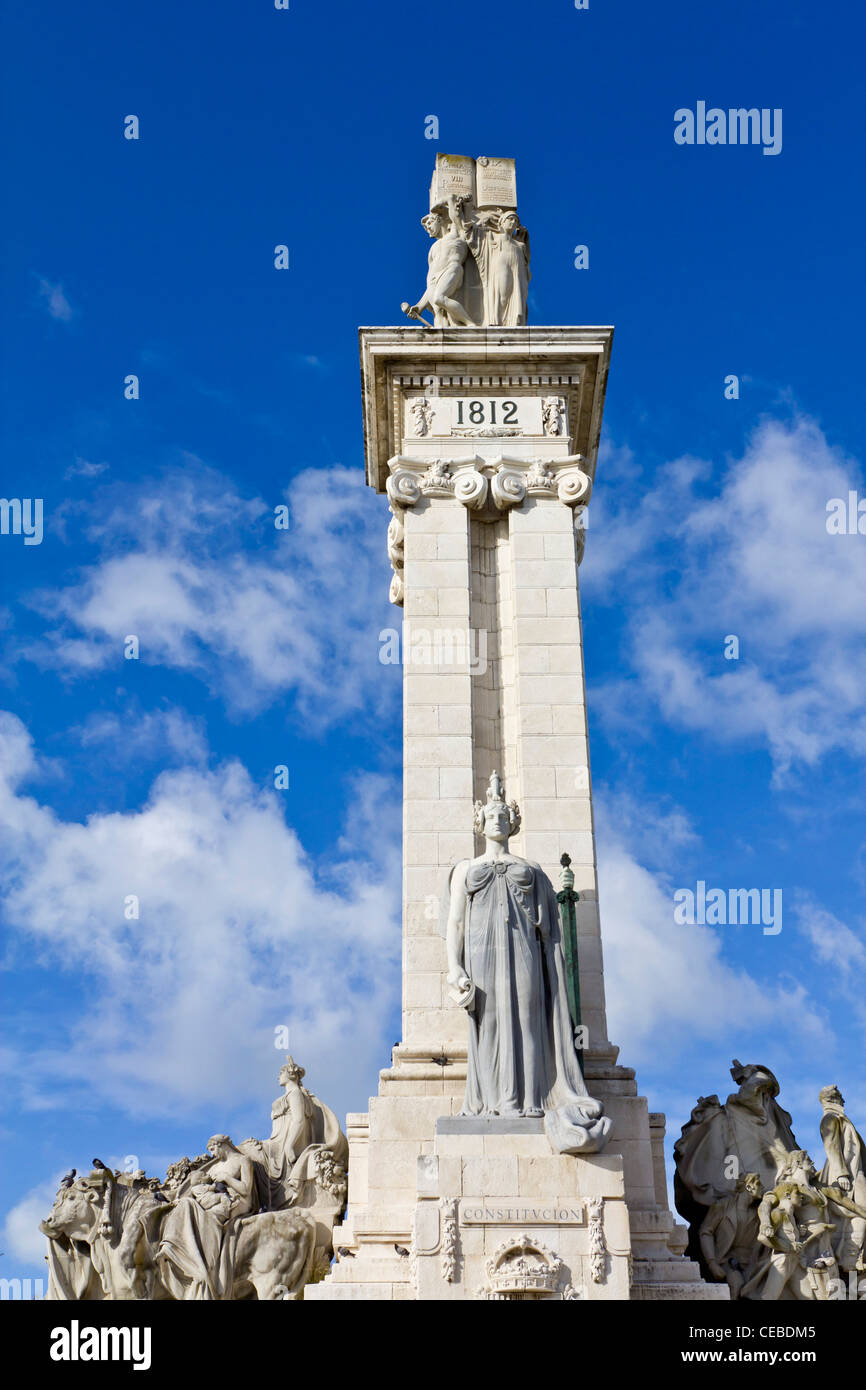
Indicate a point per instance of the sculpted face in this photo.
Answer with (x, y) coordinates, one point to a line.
(754, 1185)
(432, 224)
(497, 822)
(509, 222)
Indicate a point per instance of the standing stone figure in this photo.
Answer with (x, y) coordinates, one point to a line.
(445, 271)
(501, 250)
(845, 1173)
(507, 969)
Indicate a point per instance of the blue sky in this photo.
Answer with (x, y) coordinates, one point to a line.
(155, 777)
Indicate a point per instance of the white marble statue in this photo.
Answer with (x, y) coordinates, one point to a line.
(500, 246)
(490, 287)
(507, 969)
(807, 1228)
(252, 1221)
(444, 271)
(845, 1173)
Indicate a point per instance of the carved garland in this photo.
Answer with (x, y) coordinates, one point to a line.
(448, 1247)
(597, 1246)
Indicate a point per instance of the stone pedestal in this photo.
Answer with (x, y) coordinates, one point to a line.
(485, 441)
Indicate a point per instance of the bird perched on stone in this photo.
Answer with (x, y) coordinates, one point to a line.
(99, 1165)
(220, 1187)
(68, 1178)
(401, 1250)
(345, 1254)
(159, 1196)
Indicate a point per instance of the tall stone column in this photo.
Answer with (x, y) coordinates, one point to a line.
(485, 441)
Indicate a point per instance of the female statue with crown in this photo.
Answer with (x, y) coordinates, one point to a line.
(506, 967)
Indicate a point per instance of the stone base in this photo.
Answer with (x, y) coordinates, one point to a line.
(444, 1206)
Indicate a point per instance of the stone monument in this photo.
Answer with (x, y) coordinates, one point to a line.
(762, 1219)
(507, 1154)
(239, 1222)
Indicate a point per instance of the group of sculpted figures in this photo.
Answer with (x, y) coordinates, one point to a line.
(469, 246)
(247, 1221)
(763, 1219)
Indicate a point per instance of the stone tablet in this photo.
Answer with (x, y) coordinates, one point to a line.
(454, 174)
(495, 182)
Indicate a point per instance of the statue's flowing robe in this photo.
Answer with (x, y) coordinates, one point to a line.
(522, 1054)
(759, 1135)
(504, 269)
(289, 1155)
(198, 1250)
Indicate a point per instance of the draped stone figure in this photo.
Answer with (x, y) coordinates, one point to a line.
(306, 1143)
(845, 1172)
(500, 246)
(751, 1127)
(195, 1255)
(507, 969)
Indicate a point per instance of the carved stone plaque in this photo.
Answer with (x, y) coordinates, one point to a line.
(479, 416)
(495, 182)
(501, 1211)
(453, 174)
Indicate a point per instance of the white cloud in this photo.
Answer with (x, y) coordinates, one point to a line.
(56, 303)
(669, 986)
(754, 561)
(300, 614)
(169, 734)
(238, 933)
(22, 1238)
(84, 468)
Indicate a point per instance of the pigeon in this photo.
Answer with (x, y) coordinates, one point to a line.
(220, 1187)
(345, 1254)
(401, 1250)
(99, 1165)
(68, 1178)
(440, 1061)
(160, 1197)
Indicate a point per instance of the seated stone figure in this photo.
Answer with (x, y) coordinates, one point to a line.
(195, 1254)
(306, 1145)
